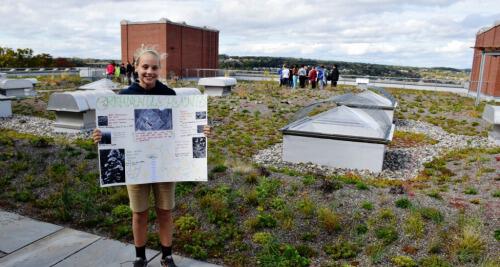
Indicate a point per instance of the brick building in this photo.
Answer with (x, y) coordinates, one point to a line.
(187, 46)
(487, 46)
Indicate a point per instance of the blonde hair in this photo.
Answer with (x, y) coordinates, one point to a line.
(148, 49)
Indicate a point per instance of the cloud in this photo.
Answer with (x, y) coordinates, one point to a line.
(420, 33)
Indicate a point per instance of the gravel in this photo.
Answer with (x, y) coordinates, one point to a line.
(399, 163)
(38, 126)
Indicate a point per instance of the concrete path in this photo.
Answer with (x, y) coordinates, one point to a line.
(25, 242)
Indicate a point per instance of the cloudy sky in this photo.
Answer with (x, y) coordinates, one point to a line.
(399, 32)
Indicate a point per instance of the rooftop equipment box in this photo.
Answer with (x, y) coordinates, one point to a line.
(491, 114)
(342, 137)
(75, 111)
(17, 87)
(5, 106)
(102, 84)
(217, 86)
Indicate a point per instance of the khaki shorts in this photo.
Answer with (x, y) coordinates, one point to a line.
(164, 194)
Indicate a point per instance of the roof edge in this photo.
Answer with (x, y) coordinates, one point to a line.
(488, 28)
(167, 21)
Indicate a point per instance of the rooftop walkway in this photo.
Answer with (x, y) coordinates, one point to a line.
(25, 242)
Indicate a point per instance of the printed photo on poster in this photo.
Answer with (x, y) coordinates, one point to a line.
(199, 128)
(199, 147)
(153, 119)
(106, 138)
(201, 115)
(102, 121)
(112, 163)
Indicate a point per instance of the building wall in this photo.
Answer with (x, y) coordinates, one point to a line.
(186, 46)
(490, 41)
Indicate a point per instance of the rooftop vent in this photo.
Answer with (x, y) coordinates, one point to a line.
(217, 86)
(5, 106)
(75, 111)
(102, 84)
(491, 114)
(17, 87)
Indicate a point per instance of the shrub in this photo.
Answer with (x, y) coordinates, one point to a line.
(470, 191)
(497, 234)
(414, 226)
(262, 220)
(330, 184)
(403, 203)
(196, 251)
(434, 261)
(367, 205)
(262, 238)
(341, 250)
(42, 141)
(329, 220)
(432, 214)
(387, 234)
(361, 229)
(276, 255)
(403, 261)
(469, 246)
(361, 186)
(186, 223)
(308, 180)
(122, 211)
(306, 206)
(219, 168)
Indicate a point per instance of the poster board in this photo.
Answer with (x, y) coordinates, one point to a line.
(150, 139)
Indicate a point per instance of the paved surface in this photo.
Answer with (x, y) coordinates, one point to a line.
(25, 242)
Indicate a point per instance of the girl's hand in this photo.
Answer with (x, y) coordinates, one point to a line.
(96, 135)
(207, 130)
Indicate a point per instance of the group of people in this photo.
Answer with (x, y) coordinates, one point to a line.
(307, 75)
(119, 72)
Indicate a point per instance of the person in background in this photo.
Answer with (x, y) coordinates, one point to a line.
(148, 69)
(321, 77)
(313, 75)
(295, 77)
(280, 73)
(302, 76)
(123, 71)
(110, 70)
(130, 71)
(335, 75)
(285, 74)
(117, 72)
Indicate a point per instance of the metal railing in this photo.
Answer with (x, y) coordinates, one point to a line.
(273, 75)
(23, 72)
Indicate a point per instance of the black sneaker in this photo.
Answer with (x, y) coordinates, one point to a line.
(168, 262)
(140, 262)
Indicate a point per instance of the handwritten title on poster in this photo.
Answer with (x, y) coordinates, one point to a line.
(151, 139)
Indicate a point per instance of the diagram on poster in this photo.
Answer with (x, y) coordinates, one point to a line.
(150, 139)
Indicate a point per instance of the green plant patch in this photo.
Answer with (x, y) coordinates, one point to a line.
(329, 220)
(387, 234)
(341, 250)
(434, 261)
(432, 214)
(470, 191)
(274, 254)
(403, 261)
(367, 205)
(403, 203)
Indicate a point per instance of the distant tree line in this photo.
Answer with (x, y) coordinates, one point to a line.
(25, 58)
(346, 68)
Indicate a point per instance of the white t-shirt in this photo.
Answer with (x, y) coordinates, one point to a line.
(285, 73)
